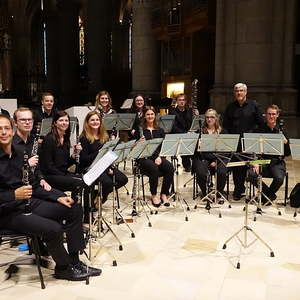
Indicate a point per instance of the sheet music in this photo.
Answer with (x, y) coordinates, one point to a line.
(100, 166)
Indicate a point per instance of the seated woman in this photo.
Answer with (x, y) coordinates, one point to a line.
(103, 103)
(55, 156)
(155, 166)
(137, 108)
(92, 138)
(205, 162)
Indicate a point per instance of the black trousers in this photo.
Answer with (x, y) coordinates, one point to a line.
(275, 170)
(68, 182)
(202, 170)
(153, 171)
(186, 162)
(49, 220)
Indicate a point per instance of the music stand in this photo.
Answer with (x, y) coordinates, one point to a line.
(262, 143)
(258, 143)
(141, 150)
(295, 151)
(166, 122)
(219, 144)
(46, 126)
(100, 164)
(196, 123)
(175, 145)
(118, 122)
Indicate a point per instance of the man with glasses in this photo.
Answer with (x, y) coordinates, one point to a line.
(277, 168)
(241, 115)
(23, 141)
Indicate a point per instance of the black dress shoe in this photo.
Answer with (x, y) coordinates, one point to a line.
(70, 273)
(81, 266)
(155, 204)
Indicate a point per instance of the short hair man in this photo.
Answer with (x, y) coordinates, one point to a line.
(277, 168)
(241, 115)
(48, 211)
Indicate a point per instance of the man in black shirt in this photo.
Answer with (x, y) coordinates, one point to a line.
(52, 212)
(242, 115)
(277, 168)
(46, 110)
(182, 123)
(23, 141)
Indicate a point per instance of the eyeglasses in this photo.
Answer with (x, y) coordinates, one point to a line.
(25, 120)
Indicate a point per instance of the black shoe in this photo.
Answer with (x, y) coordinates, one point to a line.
(81, 266)
(70, 273)
(188, 169)
(238, 196)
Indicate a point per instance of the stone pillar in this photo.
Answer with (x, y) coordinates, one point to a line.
(145, 73)
(254, 45)
(6, 67)
(69, 52)
(98, 33)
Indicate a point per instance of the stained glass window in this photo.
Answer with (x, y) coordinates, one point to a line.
(81, 43)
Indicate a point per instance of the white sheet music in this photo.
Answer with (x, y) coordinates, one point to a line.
(101, 165)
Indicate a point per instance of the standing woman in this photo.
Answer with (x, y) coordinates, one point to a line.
(55, 155)
(92, 138)
(205, 162)
(155, 166)
(103, 103)
(138, 107)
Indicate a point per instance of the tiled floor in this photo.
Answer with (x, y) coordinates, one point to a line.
(175, 259)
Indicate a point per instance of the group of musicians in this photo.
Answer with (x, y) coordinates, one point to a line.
(53, 213)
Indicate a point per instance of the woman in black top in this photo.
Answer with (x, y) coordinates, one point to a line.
(92, 138)
(103, 103)
(155, 166)
(55, 155)
(138, 107)
(205, 162)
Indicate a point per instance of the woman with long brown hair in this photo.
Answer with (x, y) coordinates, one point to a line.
(55, 155)
(155, 166)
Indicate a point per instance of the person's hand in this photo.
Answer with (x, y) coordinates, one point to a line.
(213, 164)
(77, 149)
(285, 141)
(23, 192)
(67, 201)
(195, 112)
(33, 161)
(132, 131)
(110, 171)
(157, 161)
(45, 185)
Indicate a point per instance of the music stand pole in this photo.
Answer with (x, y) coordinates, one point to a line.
(244, 243)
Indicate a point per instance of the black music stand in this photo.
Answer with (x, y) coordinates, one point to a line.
(100, 164)
(259, 144)
(141, 150)
(166, 122)
(220, 145)
(118, 122)
(45, 127)
(175, 145)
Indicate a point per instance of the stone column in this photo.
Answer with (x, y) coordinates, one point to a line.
(69, 52)
(98, 33)
(254, 45)
(6, 67)
(145, 73)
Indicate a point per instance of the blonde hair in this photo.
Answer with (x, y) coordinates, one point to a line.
(218, 127)
(103, 93)
(87, 132)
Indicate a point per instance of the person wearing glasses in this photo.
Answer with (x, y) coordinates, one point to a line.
(137, 108)
(277, 167)
(241, 115)
(23, 141)
(52, 212)
(206, 163)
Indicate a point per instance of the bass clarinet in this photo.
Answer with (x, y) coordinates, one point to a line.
(25, 180)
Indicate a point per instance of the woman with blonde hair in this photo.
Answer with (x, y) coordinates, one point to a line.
(92, 138)
(103, 103)
(205, 163)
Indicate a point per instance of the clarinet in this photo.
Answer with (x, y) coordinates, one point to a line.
(35, 146)
(194, 96)
(25, 180)
(77, 156)
(134, 212)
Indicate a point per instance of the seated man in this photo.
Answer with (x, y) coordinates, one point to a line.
(51, 212)
(277, 168)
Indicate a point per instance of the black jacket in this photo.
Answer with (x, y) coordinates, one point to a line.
(183, 120)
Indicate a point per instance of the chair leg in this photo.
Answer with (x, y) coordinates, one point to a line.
(36, 250)
(286, 190)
